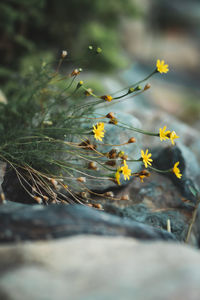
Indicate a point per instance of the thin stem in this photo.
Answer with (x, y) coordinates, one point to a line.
(194, 215)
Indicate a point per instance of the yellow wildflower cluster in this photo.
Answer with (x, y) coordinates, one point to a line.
(167, 134)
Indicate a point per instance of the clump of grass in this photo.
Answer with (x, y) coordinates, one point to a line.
(50, 134)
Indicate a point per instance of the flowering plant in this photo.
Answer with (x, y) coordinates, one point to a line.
(48, 140)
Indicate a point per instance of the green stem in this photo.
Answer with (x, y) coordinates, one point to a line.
(137, 83)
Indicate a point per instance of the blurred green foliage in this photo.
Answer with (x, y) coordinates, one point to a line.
(32, 26)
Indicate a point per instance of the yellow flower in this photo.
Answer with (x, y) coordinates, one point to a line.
(176, 170)
(117, 176)
(161, 66)
(107, 98)
(173, 136)
(126, 171)
(164, 135)
(146, 158)
(99, 131)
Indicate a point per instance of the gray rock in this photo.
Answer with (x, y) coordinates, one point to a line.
(100, 268)
(33, 222)
(142, 214)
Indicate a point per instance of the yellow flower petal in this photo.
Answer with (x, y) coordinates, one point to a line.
(173, 136)
(176, 170)
(126, 171)
(164, 135)
(99, 131)
(161, 66)
(146, 158)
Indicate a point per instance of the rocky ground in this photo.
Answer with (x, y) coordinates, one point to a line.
(125, 248)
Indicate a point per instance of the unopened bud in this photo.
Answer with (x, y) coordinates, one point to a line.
(112, 153)
(107, 98)
(92, 165)
(98, 50)
(131, 140)
(110, 115)
(45, 198)
(64, 54)
(54, 182)
(84, 195)
(109, 194)
(38, 199)
(80, 83)
(131, 90)
(147, 86)
(97, 205)
(81, 179)
(138, 88)
(113, 121)
(125, 197)
(75, 72)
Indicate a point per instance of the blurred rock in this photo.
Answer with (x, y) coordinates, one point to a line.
(100, 268)
(33, 222)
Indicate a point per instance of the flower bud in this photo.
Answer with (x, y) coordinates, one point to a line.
(80, 83)
(124, 197)
(147, 86)
(38, 199)
(110, 115)
(92, 165)
(112, 153)
(98, 50)
(138, 88)
(84, 195)
(97, 205)
(64, 54)
(109, 194)
(131, 140)
(81, 179)
(76, 72)
(107, 98)
(45, 198)
(131, 90)
(113, 121)
(54, 182)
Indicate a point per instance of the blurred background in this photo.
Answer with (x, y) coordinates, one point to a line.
(133, 34)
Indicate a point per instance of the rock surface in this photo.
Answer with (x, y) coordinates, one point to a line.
(33, 222)
(100, 268)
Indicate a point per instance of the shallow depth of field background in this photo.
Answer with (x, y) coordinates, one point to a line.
(132, 34)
